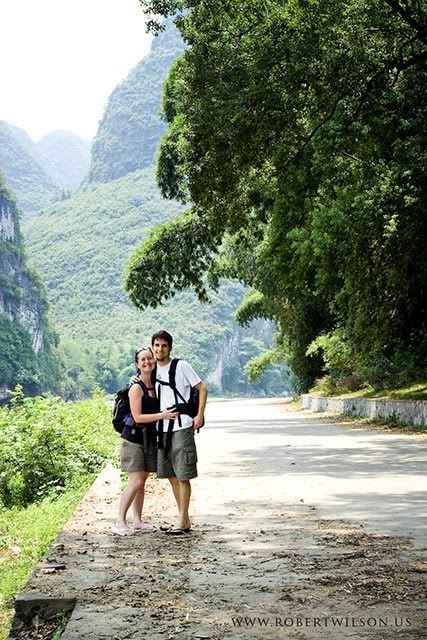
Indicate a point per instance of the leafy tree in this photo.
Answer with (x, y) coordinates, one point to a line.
(297, 131)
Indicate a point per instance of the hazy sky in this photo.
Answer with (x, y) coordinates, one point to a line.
(60, 60)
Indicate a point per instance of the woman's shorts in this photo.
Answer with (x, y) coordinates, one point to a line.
(134, 457)
(182, 459)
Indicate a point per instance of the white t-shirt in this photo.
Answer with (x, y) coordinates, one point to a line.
(185, 379)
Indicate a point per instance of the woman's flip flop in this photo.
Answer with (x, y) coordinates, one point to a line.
(144, 528)
(121, 531)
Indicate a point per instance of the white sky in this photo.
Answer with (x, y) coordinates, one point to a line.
(60, 60)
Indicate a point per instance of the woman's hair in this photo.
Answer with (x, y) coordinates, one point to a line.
(138, 351)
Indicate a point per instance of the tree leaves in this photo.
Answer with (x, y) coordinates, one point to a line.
(298, 132)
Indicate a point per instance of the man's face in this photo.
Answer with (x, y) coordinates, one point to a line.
(161, 350)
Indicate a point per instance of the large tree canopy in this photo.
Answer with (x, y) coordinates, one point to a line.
(297, 134)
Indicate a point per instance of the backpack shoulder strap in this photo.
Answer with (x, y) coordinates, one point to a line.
(172, 380)
(172, 373)
(143, 387)
(154, 375)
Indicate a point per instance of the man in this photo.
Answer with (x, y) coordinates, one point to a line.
(177, 455)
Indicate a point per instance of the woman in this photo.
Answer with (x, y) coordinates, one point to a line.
(139, 444)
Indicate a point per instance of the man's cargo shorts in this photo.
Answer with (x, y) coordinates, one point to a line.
(181, 461)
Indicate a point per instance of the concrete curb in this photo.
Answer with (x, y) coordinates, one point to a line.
(413, 412)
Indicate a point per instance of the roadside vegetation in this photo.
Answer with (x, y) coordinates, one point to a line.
(50, 452)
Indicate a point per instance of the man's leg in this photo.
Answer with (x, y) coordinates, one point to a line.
(182, 493)
(184, 502)
(183, 458)
(175, 488)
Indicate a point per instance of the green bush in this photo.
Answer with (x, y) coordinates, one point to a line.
(48, 445)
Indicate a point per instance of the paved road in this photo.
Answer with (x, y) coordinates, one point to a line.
(371, 477)
(270, 555)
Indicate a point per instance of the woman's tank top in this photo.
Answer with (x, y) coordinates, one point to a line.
(145, 434)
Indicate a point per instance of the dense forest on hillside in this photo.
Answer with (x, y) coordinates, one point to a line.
(27, 343)
(81, 243)
(93, 233)
(130, 130)
(297, 137)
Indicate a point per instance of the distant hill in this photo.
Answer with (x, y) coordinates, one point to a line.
(65, 157)
(33, 187)
(39, 172)
(131, 128)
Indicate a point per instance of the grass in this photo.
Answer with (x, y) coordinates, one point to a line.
(415, 391)
(25, 535)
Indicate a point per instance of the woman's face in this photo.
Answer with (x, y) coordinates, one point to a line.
(145, 361)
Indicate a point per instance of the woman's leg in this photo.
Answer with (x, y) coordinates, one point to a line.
(138, 501)
(135, 482)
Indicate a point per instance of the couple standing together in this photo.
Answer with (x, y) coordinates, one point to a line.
(161, 436)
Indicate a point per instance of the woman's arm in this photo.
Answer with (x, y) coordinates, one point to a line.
(135, 401)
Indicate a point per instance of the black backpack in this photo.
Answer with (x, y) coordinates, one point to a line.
(122, 415)
(190, 407)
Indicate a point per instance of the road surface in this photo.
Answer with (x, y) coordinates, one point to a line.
(379, 479)
(301, 530)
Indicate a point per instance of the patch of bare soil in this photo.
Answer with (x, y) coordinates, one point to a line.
(253, 572)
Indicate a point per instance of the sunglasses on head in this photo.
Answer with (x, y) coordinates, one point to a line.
(138, 351)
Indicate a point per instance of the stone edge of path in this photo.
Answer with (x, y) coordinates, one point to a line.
(33, 599)
(412, 412)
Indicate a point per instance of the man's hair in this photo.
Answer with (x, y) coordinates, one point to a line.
(162, 335)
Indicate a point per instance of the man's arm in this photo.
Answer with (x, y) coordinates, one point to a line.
(203, 396)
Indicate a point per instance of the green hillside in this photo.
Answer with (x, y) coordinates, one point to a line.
(26, 342)
(131, 128)
(80, 245)
(92, 234)
(33, 187)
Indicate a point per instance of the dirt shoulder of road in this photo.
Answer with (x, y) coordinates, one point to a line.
(256, 571)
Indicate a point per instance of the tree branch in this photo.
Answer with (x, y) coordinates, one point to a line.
(316, 129)
(408, 17)
(400, 65)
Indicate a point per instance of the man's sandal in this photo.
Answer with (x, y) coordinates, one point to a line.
(178, 532)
